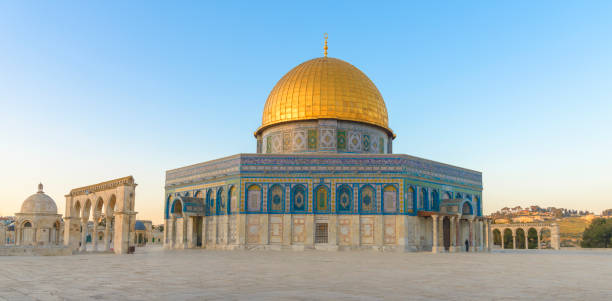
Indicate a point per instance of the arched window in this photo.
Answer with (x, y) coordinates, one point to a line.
(177, 208)
(221, 201)
(209, 202)
(410, 197)
(276, 198)
(298, 198)
(478, 205)
(367, 197)
(344, 197)
(322, 199)
(467, 208)
(423, 198)
(390, 199)
(253, 198)
(231, 199)
(27, 225)
(435, 200)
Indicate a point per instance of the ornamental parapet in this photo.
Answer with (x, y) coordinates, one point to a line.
(125, 181)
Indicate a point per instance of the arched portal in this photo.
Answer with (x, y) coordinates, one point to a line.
(497, 238)
(508, 239)
(446, 233)
(521, 242)
(532, 238)
(545, 236)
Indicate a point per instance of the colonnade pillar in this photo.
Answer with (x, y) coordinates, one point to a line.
(514, 240)
(453, 236)
(526, 241)
(434, 248)
(107, 228)
(94, 236)
(83, 234)
(538, 235)
(471, 242)
(489, 236)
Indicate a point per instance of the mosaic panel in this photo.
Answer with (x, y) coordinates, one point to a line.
(381, 145)
(327, 138)
(286, 141)
(312, 139)
(366, 143)
(354, 141)
(275, 196)
(269, 145)
(344, 199)
(254, 198)
(367, 199)
(299, 140)
(341, 144)
(390, 199)
(322, 199)
(299, 198)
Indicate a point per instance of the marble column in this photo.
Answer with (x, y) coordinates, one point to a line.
(453, 236)
(434, 248)
(514, 240)
(489, 236)
(471, 236)
(107, 234)
(94, 236)
(526, 241)
(538, 235)
(83, 234)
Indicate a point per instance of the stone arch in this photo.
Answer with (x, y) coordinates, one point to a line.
(466, 208)
(532, 238)
(546, 237)
(423, 198)
(520, 235)
(86, 209)
(210, 202)
(276, 198)
(344, 198)
(435, 200)
(367, 198)
(97, 209)
(389, 199)
(77, 209)
(231, 199)
(497, 237)
(410, 198)
(253, 198)
(508, 241)
(299, 198)
(220, 201)
(321, 196)
(177, 208)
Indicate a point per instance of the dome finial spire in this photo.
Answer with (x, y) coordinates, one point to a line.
(40, 188)
(325, 47)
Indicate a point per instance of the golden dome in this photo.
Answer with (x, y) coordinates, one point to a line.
(324, 88)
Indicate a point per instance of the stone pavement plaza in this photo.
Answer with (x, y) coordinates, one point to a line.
(155, 274)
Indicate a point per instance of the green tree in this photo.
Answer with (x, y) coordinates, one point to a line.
(598, 234)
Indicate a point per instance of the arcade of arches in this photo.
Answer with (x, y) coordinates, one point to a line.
(110, 205)
(526, 236)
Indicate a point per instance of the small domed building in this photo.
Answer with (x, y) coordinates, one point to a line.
(38, 223)
(324, 176)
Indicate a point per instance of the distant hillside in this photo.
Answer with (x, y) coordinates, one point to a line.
(571, 230)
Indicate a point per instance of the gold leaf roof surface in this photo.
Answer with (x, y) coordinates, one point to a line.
(325, 88)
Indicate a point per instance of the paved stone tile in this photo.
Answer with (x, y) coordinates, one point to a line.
(155, 274)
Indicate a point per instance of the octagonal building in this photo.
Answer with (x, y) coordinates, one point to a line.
(324, 177)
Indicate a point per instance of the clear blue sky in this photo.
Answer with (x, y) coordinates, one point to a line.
(90, 91)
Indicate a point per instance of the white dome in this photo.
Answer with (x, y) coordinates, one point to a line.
(39, 203)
